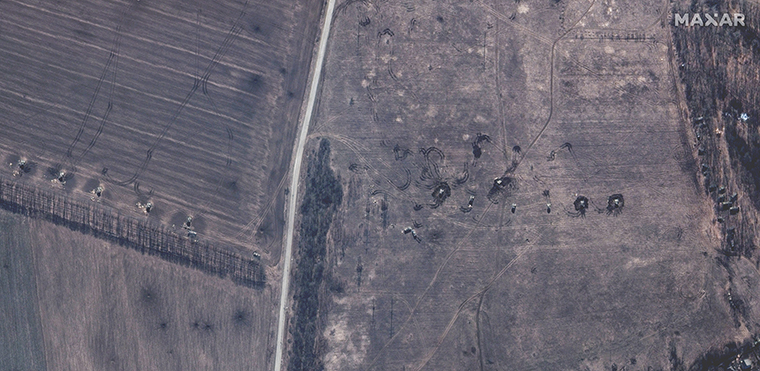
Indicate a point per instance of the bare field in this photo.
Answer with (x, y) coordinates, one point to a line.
(103, 307)
(21, 345)
(431, 267)
(191, 106)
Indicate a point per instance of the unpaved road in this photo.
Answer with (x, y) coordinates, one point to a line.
(292, 201)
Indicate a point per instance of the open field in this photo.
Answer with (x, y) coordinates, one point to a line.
(436, 265)
(21, 346)
(103, 307)
(189, 105)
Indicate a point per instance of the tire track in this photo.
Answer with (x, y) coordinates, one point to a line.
(490, 284)
(104, 119)
(256, 222)
(430, 285)
(232, 35)
(228, 130)
(480, 293)
(448, 257)
(357, 148)
(113, 55)
(551, 86)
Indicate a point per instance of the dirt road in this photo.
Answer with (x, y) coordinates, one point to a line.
(293, 200)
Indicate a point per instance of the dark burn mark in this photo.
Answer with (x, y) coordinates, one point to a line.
(739, 311)
(203, 326)
(241, 316)
(254, 83)
(477, 150)
(676, 363)
(436, 236)
(327, 199)
(148, 296)
(231, 185)
(722, 97)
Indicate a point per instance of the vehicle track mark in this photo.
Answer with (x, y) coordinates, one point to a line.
(221, 51)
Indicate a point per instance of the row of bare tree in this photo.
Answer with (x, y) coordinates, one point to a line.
(106, 223)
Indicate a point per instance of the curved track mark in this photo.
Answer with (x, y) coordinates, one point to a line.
(220, 53)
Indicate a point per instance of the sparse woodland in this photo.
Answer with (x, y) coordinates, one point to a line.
(718, 68)
(321, 199)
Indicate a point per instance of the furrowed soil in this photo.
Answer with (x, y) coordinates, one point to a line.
(21, 340)
(105, 307)
(191, 106)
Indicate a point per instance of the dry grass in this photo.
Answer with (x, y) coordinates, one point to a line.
(491, 289)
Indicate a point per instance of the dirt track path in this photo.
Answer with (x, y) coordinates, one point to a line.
(293, 199)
